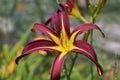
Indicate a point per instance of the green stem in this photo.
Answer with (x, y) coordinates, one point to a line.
(83, 19)
(92, 20)
(91, 42)
(66, 71)
(115, 68)
(72, 65)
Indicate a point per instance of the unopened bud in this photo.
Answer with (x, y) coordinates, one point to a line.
(87, 3)
(101, 3)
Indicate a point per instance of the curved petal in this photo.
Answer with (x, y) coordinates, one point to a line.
(56, 68)
(48, 21)
(36, 46)
(70, 3)
(65, 22)
(56, 22)
(74, 11)
(49, 32)
(85, 27)
(60, 19)
(85, 49)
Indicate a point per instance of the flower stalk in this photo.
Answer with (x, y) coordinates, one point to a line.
(91, 42)
(72, 65)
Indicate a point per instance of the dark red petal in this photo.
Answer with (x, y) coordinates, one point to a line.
(70, 4)
(44, 29)
(57, 67)
(48, 21)
(56, 22)
(35, 46)
(88, 51)
(61, 17)
(85, 27)
(65, 21)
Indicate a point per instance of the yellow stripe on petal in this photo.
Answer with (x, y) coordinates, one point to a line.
(54, 38)
(64, 36)
(72, 38)
(58, 48)
(62, 54)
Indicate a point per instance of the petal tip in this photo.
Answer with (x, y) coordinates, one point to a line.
(100, 71)
(16, 61)
(103, 35)
(33, 30)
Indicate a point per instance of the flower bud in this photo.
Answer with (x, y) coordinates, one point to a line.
(101, 3)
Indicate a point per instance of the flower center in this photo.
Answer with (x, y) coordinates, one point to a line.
(64, 43)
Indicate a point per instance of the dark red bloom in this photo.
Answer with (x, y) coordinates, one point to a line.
(63, 41)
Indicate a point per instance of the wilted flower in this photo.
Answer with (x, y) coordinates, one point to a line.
(62, 41)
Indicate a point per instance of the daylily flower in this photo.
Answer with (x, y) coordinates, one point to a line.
(72, 9)
(63, 41)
